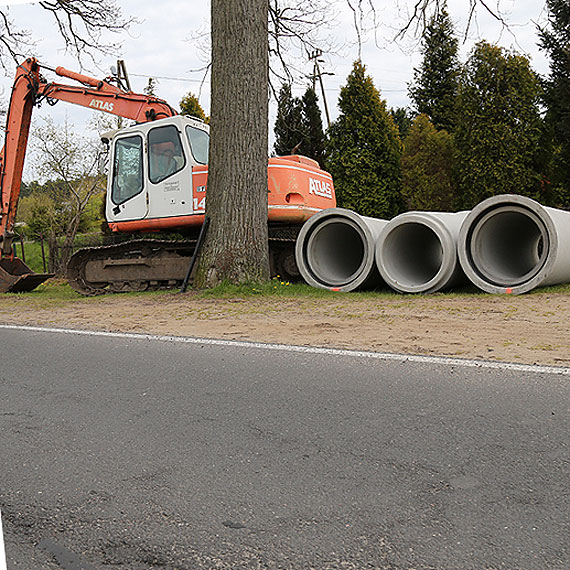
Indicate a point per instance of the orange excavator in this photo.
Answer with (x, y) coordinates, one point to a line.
(156, 184)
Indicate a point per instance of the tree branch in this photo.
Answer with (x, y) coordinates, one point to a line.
(80, 24)
(295, 27)
(423, 10)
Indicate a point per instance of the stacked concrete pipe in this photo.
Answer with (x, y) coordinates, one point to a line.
(512, 244)
(335, 250)
(416, 252)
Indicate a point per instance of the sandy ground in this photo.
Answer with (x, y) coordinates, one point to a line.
(531, 329)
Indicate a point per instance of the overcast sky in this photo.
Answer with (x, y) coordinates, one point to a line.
(166, 45)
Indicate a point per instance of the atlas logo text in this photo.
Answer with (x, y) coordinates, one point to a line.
(102, 105)
(320, 188)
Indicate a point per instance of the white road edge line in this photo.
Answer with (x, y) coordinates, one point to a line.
(3, 561)
(386, 356)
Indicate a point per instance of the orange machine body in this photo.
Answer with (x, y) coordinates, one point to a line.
(297, 189)
(297, 186)
(158, 169)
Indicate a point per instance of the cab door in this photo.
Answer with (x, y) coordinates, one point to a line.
(169, 173)
(127, 195)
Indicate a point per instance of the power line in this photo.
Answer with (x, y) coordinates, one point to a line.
(167, 78)
(318, 74)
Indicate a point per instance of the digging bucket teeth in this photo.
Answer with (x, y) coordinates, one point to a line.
(17, 277)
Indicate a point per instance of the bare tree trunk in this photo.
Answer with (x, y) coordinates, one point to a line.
(60, 251)
(66, 250)
(236, 246)
(53, 253)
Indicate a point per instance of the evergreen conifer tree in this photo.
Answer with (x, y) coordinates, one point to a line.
(289, 132)
(554, 40)
(435, 81)
(427, 168)
(313, 144)
(150, 88)
(190, 106)
(364, 149)
(498, 131)
(403, 119)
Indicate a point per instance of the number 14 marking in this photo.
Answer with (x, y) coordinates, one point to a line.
(199, 204)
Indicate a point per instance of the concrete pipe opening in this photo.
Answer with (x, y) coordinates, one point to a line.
(512, 244)
(417, 251)
(411, 255)
(336, 250)
(509, 245)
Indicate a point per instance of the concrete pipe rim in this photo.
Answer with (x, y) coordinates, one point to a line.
(336, 273)
(488, 231)
(416, 276)
(307, 243)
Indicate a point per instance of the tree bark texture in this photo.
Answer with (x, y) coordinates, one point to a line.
(236, 246)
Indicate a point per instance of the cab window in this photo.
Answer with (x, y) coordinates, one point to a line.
(199, 141)
(127, 169)
(166, 156)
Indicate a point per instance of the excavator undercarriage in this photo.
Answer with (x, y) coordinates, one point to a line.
(152, 264)
(137, 265)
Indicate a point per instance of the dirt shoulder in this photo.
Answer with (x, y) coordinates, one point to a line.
(531, 329)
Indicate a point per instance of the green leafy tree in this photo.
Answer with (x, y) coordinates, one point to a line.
(364, 149)
(289, 131)
(554, 40)
(69, 162)
(499, 128)
(190, 106)
(28, 188)
(37, 211)
(427, 168)
(434, 88)
(46, 212)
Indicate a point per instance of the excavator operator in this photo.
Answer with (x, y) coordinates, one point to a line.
(164, 161)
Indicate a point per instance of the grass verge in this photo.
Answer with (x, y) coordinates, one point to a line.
(58, 291)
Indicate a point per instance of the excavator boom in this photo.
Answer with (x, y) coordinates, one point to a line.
(15, 275)
(13, 153)
(102, 95)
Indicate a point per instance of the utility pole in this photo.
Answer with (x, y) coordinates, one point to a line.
(318, 74)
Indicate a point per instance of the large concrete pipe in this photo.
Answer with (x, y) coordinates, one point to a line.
(416, 252)
(335, 250)
(512, 244)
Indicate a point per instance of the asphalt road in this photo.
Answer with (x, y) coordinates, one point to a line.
(123, 453)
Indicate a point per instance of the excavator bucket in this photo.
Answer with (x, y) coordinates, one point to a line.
(17, 277)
